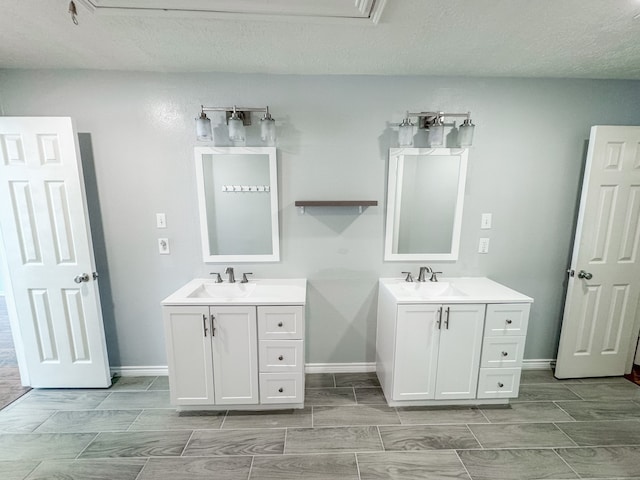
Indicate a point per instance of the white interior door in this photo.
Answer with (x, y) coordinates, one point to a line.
(598, 331)
(49, 254)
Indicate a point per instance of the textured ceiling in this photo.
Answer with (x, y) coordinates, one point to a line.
(520, 38)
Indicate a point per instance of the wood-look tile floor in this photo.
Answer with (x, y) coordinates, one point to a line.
(10, 386)
(587, 428)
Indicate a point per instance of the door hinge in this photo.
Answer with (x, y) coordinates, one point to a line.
(571, 272)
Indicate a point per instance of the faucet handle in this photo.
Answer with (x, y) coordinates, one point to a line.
(434, 277)
(219, 278)
(244, 277)
(409, 277)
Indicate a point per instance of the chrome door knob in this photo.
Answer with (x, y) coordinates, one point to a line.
(81, 278)
(585, 275)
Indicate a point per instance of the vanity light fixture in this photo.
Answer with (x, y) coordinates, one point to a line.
(237, 119)
(434, 122)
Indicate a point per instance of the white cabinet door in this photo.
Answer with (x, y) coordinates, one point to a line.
(459, 351)
(235, 361)
(188, 340)
(416, 352)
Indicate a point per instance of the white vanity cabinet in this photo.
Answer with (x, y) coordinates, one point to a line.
(212, 355)
(451, 343)
(437, 351)
(232, 354)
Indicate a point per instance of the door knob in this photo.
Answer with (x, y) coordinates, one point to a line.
(81, 278)
(585, 275)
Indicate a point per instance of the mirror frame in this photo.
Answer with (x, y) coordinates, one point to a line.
(395, 156)
(273, 190)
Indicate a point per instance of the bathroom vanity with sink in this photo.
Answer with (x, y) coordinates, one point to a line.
(236, 345)
(456, 341)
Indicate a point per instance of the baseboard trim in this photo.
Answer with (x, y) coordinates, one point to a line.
(537, 364)
(355, 367)
(150, 371)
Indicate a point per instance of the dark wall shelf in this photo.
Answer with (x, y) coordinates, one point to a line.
(336, 203)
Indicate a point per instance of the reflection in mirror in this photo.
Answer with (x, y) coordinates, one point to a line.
(424, 203)
(238, 201)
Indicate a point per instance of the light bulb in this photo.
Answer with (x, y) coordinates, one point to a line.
(405, 133)
(436, 133)
(268, 129)
(203, 128)
(236, 129)
(465, 133)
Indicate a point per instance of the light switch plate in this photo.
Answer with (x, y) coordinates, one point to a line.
(161, 220)
(485, 222)
(163, 246)
(483, 245)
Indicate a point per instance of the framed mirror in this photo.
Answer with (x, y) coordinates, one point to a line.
(238, 203)
(425, 197)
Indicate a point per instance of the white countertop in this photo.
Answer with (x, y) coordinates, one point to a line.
(455, 290)
(285, 291)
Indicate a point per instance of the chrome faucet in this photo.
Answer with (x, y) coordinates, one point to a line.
(232, 278)
(423, 272)
(409, 277)
(434, 277)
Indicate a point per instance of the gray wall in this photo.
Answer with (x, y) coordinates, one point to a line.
(334, 134)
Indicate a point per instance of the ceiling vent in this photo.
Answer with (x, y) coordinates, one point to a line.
(350, 11)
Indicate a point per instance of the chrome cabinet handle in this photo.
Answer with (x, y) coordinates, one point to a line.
(446, 322)
(439, 320)
(204, 324)
(81, 278)
(213, 329)
(585, 275)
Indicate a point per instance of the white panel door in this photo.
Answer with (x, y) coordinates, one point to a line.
(188, 337)
(416, 352)
(459, 352)
(47, 239)
(602, 297)
(235, 360)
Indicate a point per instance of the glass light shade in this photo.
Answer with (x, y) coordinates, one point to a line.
(405, 133)
(436, 135)
(268, 130)
(236, 130)
(203, 129)
(465, 133)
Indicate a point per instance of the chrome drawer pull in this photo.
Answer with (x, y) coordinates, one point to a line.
(280, 358)
(509, 321)
(281, 390)
(504, 354)
(500, 384)
(279, 324)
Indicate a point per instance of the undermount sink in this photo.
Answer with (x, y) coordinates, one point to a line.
(267, 291)
(223, 290)
(432, 289)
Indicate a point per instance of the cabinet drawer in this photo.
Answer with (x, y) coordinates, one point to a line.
(281, 388)
(499, 383)
(505, 351)
(281, 356)
(280, 322)
(507, 319)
